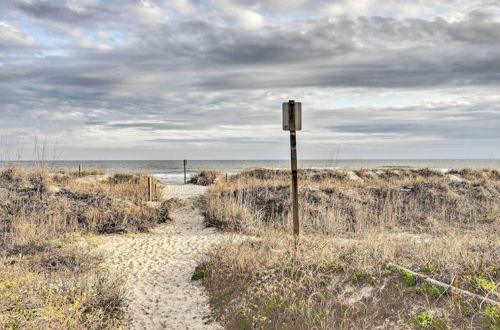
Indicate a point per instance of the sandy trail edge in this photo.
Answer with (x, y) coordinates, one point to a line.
(158, 267)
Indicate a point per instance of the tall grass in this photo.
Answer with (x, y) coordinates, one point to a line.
(50, 275)
(354, 223)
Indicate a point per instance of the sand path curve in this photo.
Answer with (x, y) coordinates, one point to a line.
(158, 267)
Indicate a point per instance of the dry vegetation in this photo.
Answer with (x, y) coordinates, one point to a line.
(354, 223)
(205, 177)
(50, 275)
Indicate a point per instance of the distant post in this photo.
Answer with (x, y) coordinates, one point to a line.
(185, 164)
(150, 189)
(292, 121)
(79, 169)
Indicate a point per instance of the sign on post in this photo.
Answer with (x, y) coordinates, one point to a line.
(287, 126)
(292, 121)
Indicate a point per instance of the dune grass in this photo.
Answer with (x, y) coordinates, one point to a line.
(444, 225)
(50, 274)
(205, 177)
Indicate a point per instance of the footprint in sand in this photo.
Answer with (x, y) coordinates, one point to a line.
(158, 267)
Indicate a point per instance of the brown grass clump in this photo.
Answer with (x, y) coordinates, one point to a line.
(83, 172)
(205, 177)
(354, 223)
(49, 275)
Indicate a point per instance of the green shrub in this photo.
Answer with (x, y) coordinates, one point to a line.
(492, 316)
(427, 321)
(198, 274)
(409, 278)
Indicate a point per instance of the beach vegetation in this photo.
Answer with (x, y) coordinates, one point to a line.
(427, 321)
(353, 224)
(205, 177)
(51, 275)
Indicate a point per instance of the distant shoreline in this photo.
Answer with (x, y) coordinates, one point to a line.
(172, 171)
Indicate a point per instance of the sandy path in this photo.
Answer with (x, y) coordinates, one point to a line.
(159, 265)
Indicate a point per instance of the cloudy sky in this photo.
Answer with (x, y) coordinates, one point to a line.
(173, 79)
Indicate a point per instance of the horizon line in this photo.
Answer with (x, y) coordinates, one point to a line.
(237, 159)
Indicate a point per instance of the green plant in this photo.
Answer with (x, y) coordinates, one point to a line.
(198, 274)
(358, 277)
(492, 316)
(434, 291)
(336, 266)
(468, 306)
(428, 321)
(479, 282)
(409, 278)
(430, 268)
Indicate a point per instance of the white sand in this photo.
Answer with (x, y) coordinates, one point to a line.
(183, 191)
(159, 265)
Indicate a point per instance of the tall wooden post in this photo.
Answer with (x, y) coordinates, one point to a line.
(79, 169)
(150, 189)
(185, 164)
(293, 149)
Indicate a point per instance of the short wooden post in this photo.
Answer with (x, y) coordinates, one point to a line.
(79, 169)
(150, 189)
(185, 164)
(226, 176)
(156, 194)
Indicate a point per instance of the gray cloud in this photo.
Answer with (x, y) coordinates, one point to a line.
(59, 11)
(97, 71)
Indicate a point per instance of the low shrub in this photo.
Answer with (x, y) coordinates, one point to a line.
(205, 177)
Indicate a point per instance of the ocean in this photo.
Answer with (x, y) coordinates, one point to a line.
(171, 171)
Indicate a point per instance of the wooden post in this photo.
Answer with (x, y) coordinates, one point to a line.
(185, 164)
(150, 189)
(293, 149)
(155, 197)
(79, 169)
(226, 176)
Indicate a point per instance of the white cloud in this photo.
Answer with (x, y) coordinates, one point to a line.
(250, 19)
(11, 36)
(183, 6)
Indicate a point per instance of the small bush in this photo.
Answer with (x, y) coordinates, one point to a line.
(409, 278)
(198, 274)
(205, 177)
(427, 321)
(124, 178)
(492, 316)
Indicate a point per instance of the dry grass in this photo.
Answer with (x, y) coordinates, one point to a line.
(205, 177)
(354, 224)
(83, 172)
(50, 276)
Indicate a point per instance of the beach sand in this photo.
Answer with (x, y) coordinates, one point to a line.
(158, 267)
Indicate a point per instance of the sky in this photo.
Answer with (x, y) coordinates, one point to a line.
(176, 79)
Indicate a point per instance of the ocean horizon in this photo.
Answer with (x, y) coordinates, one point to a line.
(172, 171)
